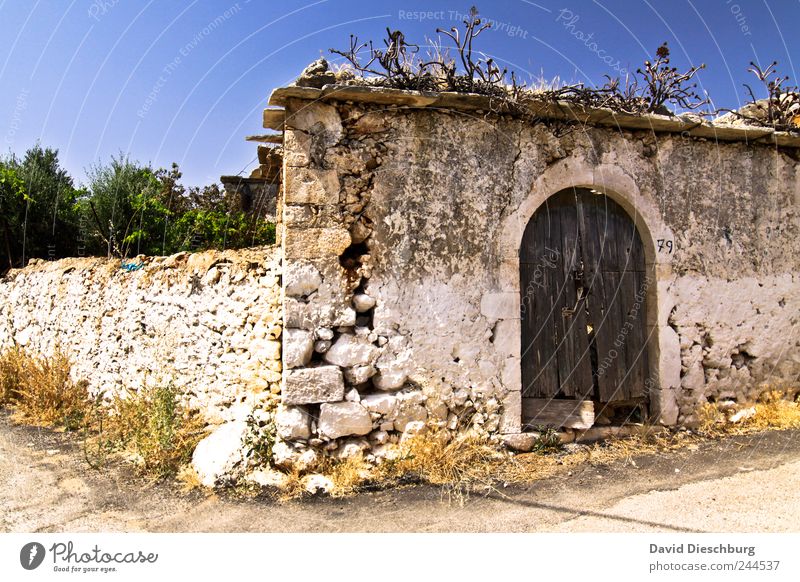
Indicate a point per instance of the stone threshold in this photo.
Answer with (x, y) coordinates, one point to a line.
(687, 125)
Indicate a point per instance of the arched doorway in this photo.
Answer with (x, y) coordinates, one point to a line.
(583, 289)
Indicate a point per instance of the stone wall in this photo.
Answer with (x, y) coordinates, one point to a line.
(402, 228)
(208, 322)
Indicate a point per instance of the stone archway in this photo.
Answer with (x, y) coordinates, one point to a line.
(663, 380)
(583, 290)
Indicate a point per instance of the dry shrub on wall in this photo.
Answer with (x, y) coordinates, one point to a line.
(41, 390)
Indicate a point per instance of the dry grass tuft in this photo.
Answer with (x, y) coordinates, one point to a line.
(348, 475)
(433, 458)
(773, 411)
(41, 391)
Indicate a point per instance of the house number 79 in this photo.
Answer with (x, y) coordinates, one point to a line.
(664, 245)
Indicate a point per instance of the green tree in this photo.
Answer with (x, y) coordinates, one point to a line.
(39, 208)
(124, 209)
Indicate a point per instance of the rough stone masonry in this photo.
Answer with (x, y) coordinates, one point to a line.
(391, 303)
(402, 215)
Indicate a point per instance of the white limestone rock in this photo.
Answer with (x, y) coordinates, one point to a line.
(363, 302)
(348, 351)
(359, 374)
(292, 423)
(218, 455)
(343, 419)
(317, 483)
(301, 279)
(380, 403)
(298, 346)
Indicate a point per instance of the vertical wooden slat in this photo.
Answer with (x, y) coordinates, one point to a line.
(575, 372)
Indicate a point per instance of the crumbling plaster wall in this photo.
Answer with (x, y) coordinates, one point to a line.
(401, 237)
(209, 323)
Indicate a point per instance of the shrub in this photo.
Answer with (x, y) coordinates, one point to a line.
(38, 208)
(151, 425)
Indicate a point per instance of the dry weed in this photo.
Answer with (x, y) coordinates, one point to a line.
(41, 390)
(150, 426)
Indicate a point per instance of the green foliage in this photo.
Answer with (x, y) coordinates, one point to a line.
(38, 208)
(548, 440)
(128, 209)
(126, 214)
(138, 211)
(200, 229)
(260, 438)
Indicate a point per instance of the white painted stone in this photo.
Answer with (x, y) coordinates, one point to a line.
(292, 423)
(217, 455)
(342, 419)
(298, 346)
(313, 385)
(348, 351)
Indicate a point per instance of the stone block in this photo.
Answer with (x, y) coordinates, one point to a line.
(313, 385)
(292, 423)
(316, 242)
(511, 375)
(298, 346)
(507, 338)
(311, 186)
(296, 149)
(343, 419)
(318, 119)
(380, 403)
(511, 418)
(349, 351)
(301, 279)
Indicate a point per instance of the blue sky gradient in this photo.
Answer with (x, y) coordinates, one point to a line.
(185, 81)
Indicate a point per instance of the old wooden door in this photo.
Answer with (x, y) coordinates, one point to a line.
(583, 289)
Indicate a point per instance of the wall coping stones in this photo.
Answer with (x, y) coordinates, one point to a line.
(274, 138)
(547, 110)
(274, 119)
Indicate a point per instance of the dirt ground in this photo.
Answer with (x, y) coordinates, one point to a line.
(742, 484)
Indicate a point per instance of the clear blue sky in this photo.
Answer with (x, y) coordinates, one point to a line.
(185, 81)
